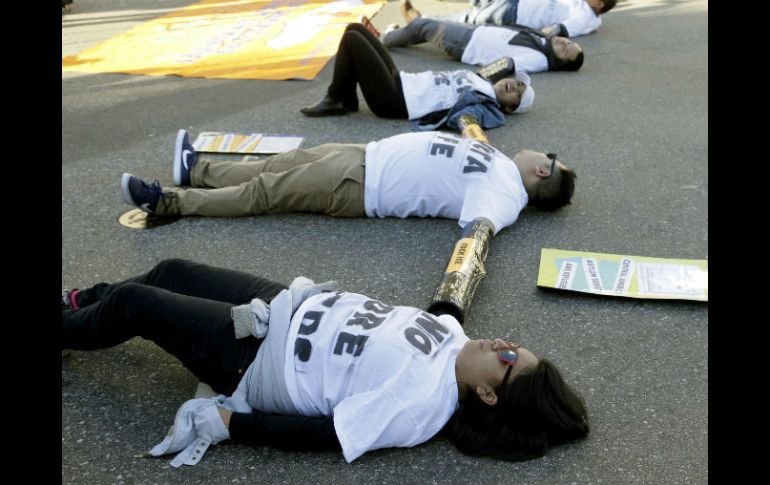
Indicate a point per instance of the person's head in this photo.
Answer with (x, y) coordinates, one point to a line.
(548, 182)
(601, 6)
(569, 55)
(513, 405)
(515, 94)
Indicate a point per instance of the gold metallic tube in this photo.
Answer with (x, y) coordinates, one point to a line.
(470, 128)
(464, 271)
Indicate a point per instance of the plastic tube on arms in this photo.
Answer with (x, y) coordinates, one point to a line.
(465, 270)
(470, 128)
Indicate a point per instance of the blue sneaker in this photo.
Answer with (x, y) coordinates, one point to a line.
(184, 158)
(139, 193)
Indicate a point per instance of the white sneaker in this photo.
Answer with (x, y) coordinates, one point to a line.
(388, 29)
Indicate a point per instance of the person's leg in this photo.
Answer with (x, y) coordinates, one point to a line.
(451, 37)
(361, 59)
(197, 331)
(452, 17)
(216, 174)
(372, 66)
(344, 79)
(332, 185)
(193, 279)
(410, 12)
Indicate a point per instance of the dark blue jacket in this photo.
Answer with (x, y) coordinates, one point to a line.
(486, 110)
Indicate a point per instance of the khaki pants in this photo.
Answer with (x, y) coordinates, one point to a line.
(327, 179)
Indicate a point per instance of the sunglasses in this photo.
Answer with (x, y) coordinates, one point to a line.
(552, 156)
(509, 356)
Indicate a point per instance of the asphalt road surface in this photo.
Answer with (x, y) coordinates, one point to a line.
(633, 123)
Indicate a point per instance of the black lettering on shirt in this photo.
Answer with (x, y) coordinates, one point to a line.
(481, 147)
(442, 149)
(484, 154)
(432, 326)
(310, 322)
(418, 339)
(474, 166)
(439, 80)
(366, 320)
(378, 307)
(448, 137)
(302, 349)
(349, 343)
(329, 302)
(463, 89)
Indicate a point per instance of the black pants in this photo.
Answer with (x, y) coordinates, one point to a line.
(183, 307)
(361, 58)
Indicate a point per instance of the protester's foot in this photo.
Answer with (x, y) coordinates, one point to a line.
(139, 193)
(326, 107)
(184, 158)
(369, 25)
(351, 103)
(408, 11)
(390, 28)
(69, 299)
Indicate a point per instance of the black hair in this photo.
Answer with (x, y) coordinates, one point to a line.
(509, 109)
(534, 412)
(555, 191)
(573, 65)
(609, 5)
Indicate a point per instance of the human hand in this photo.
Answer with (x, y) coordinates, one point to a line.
(554, 30)
(550, 31)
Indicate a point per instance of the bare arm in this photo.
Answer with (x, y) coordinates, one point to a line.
(225, 414)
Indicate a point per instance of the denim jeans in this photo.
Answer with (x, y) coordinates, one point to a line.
(183, 307)
(451, 37)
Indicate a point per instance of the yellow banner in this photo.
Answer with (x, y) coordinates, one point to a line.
(236, 39)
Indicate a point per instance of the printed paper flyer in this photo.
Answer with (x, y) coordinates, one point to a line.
(624, 275)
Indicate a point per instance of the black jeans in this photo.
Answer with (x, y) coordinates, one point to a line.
(183, 307)
(361, 58)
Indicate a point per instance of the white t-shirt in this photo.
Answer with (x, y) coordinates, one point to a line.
(428, 91)
(576, 15)
(489, 43)
(386, 373)
(438, 174)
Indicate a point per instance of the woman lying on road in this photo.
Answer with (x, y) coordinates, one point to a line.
(332, 371)
(430, 99)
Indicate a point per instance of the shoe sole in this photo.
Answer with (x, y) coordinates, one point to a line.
(336, 112)
(124, 189)
(178, 157)
(369, 25)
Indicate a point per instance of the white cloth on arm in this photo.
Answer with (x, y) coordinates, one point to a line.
(252, 318)
(196, 426)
